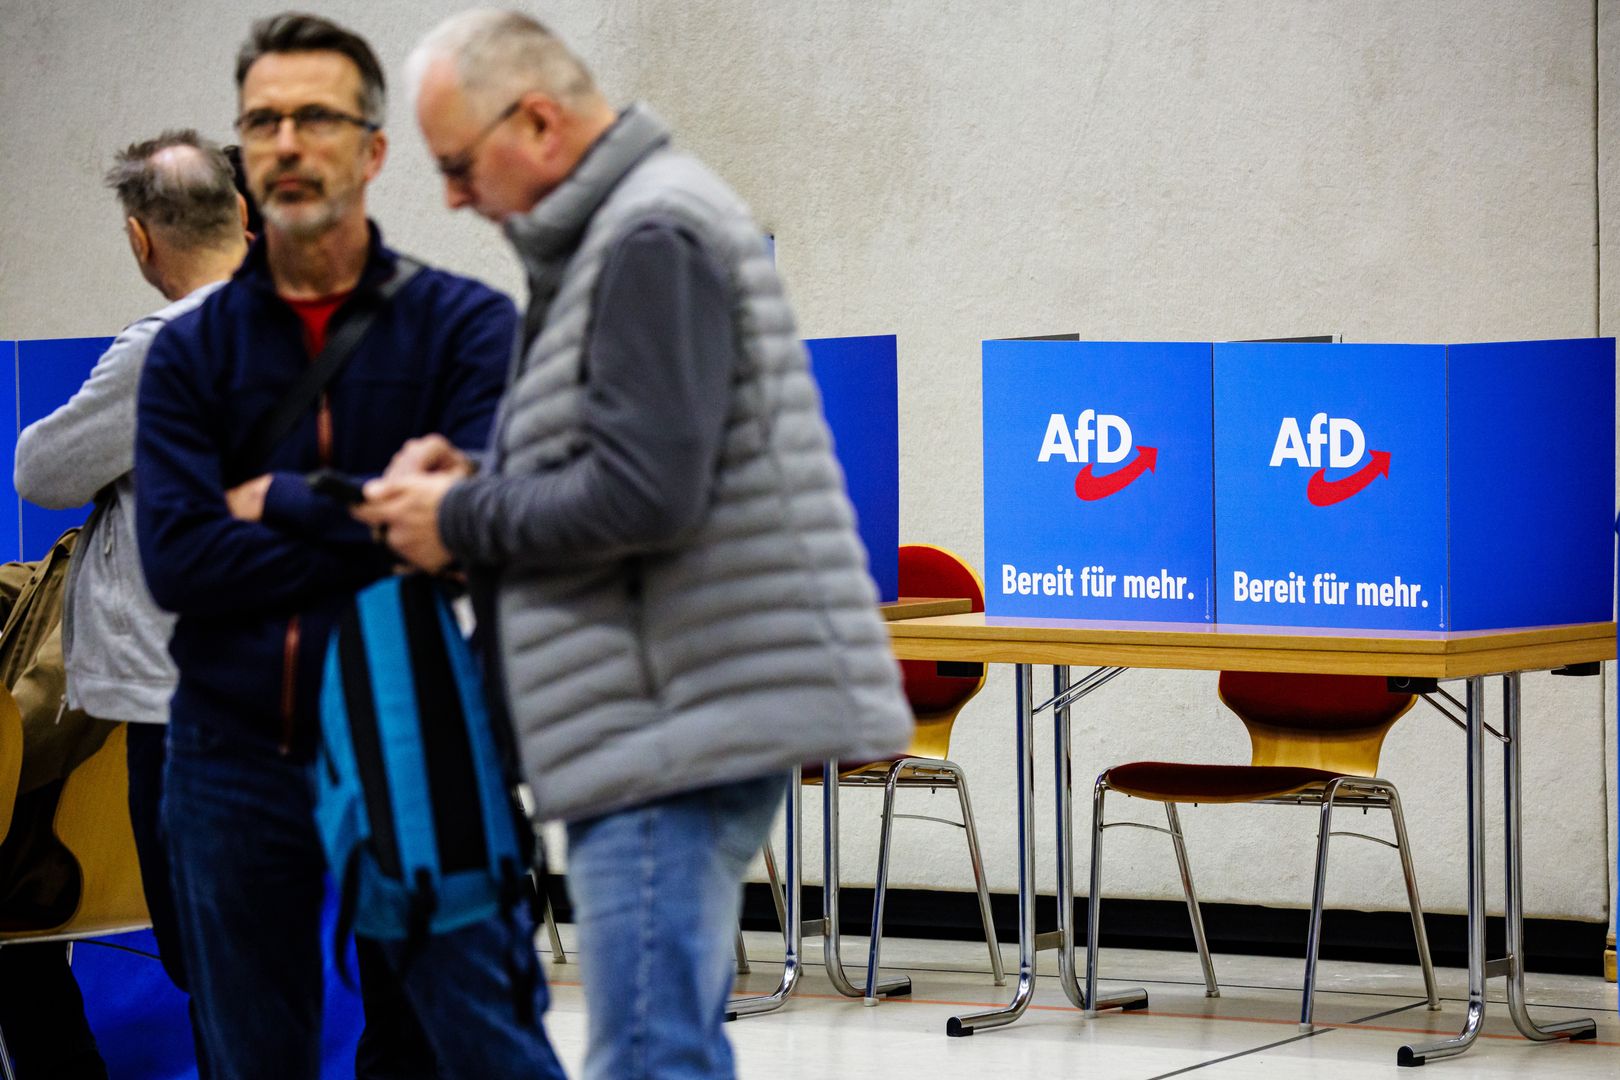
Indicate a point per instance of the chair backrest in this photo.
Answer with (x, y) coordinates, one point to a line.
(92, 822)
(926, 570)
(1333, 722)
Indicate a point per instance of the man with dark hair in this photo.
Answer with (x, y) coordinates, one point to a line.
(257, 566)
(184, 219)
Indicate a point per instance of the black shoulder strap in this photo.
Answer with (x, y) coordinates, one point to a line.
(340, 345)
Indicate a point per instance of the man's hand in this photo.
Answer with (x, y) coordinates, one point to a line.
(429, 454)
(246, 501)
(405, 514)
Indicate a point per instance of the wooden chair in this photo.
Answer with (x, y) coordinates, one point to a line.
(10, 759)
(937, 694)
(1315, 741)
(92, 822)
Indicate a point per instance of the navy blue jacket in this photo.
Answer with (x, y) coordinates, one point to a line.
(256, 600)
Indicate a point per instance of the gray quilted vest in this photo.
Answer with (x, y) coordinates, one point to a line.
(753, 644)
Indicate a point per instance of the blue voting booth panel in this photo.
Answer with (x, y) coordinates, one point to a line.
(1413, 487)
(48, 373)
(1330, 473)
(1532, 482)
(1097, 480)
(860, 397)
(10, 508)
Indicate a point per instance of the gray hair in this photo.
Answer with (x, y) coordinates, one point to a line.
(180, 183)
(500, 55)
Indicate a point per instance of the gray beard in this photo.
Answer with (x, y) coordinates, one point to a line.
(303, 221)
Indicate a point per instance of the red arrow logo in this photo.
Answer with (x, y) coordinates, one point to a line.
(1324, 492)
(1091, 488)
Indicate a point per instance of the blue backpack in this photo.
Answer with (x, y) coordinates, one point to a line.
(414, 802)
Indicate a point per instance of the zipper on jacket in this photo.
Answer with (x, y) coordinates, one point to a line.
(323, 431)
(289, 644)
(289, 684)
(635, 603)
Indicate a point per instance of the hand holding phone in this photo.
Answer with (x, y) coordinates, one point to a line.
(336, 485)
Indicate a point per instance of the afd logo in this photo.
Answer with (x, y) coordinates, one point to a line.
(1112, 436)
(1346, 445)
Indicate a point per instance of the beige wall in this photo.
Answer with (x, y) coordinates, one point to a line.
(952, 171)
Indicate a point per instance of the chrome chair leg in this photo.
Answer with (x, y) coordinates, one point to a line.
(791, 965)
(1194, 912)
(558, 956)
(979, 882)
(832, 935)
(1094, 897)
(5, 1057)
(775, 879)
(1136, 997)
(1419, 933)
(881, 890)
(1318, 892)
(741, 949)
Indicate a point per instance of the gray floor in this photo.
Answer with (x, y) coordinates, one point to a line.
(1364, 1012)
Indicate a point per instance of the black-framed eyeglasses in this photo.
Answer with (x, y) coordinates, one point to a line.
(457, 168)
(315, 121)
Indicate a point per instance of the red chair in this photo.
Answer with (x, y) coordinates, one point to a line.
(1315, 741)
(937, 694)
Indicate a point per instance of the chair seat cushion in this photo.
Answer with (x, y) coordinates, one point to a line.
(1168, 781)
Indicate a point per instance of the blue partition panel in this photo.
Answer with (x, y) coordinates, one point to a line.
(1532, 482)
(1414, 487)
(1097, 489)
(1330, 485)
(860, 397)
(10, 508)
(48, 373)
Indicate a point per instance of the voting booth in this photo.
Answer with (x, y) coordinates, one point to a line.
(861, 399)
(1097, 480)
(1414, 487)
(37, 376)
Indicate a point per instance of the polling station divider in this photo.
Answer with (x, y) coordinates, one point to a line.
(1393, 487)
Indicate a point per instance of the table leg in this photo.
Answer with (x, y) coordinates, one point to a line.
(1418, 1054)
(791, 969)
(1063, 762)
(1063, 755)
(959, 1026)
(1574, 1030)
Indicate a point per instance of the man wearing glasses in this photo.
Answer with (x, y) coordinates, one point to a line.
(257, 566)
(683, 609)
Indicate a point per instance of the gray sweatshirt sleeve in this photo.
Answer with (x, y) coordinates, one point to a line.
(659, 362)
(88, 442)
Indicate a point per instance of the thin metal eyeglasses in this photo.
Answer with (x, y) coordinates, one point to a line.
(457, 168)
(316, 121)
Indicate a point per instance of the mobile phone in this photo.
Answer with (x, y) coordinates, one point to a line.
(336, 485)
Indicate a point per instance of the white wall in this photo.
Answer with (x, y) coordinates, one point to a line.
(952, 171)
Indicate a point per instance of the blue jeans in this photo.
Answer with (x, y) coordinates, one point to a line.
(248, 875)
(656, 891)
(146, 755)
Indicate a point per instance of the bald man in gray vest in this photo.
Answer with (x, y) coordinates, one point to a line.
(658, 535)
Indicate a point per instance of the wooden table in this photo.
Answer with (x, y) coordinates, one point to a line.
(921, 607)
(1111, 647)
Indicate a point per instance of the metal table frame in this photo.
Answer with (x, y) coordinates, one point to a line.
(1113, 647)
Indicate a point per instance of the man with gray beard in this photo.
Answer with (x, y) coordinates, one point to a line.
(258, 566)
